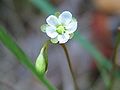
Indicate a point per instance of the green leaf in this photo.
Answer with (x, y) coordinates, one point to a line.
(42, 60)
(71, 35)
(43, 27)
(54, 40)
(57, 14)
(22, 57)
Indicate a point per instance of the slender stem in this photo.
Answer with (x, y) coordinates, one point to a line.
(70, 66)
(112, 78)
(114, 58)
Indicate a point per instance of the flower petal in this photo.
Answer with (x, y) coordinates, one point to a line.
(63, 38)
(54, 40)
(72, 26)
(51, 31)
(65, 17)
(52, 20)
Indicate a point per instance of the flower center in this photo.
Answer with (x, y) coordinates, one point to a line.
(60, 29)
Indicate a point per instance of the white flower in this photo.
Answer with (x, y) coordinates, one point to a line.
(60, 29)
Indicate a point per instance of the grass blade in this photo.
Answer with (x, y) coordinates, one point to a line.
(21, 56)
(103, 64)
(93, 51)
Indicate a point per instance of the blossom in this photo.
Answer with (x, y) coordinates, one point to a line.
(60, 28)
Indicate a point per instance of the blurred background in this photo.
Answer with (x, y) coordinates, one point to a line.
(98, 21)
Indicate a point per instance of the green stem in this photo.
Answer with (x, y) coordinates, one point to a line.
(112, 78)
(114, 58)
(70, 66)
